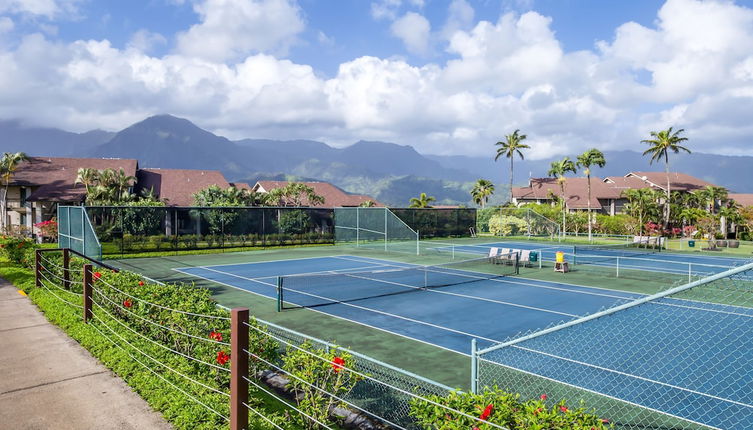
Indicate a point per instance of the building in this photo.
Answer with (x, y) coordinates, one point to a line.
(176, 187)
(607, 195)
(333, 196)
(42, 183)
(744, 200)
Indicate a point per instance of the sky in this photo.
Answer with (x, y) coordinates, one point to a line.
(445, 76)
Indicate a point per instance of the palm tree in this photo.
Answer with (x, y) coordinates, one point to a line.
(592, 157)
(711, 195)
(121, 183)
(558, 169)
(367, 204)
(641, 202)
(423, 201)
(8, 165)
(511, 146)
(662, 143)
(481, 191)
(87, 176)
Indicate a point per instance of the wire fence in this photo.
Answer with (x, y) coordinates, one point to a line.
(678, 359)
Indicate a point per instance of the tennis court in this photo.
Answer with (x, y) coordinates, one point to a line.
(391, 296)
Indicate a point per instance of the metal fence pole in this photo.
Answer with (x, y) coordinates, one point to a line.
(38, 268)
(87, 292)
(690, 271)
(66, 269)
(474, 367)
(238, 369)
(279, 294)
(618, 267)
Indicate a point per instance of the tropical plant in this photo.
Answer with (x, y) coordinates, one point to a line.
(592, 157)
(731, 214)
(662, 143)
(87, 176)
(422, 201)
(367, 204)
(8, 165)
(713, 196)
(481, 191)
(511, 146)
(558, 169)
(294, 194)
(641, 204)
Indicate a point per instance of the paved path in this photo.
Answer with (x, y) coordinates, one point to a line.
(57, 384)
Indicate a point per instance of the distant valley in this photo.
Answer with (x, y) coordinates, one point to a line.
(389, 172)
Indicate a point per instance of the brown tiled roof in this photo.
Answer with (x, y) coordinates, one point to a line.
(333, 196)
(241, 186)
(678, 181)
(177, 186)
(742, 199)
(576, 190)
(626, 182)
(55, 176)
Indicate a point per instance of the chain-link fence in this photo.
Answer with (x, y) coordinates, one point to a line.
(375, 228)
(516, 222)
(439, 222)
(135, 229)
(75, 231)
(679, 359)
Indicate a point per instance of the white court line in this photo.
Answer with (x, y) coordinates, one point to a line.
(252, 262)
(331, 315)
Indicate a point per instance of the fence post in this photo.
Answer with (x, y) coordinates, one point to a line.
(38, 267)
(474, 366)
(618, 267)
(279, 294)
(66, 269)
(87, 294)
(238, 368)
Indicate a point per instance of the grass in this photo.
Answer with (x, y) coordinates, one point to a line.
(177, 252)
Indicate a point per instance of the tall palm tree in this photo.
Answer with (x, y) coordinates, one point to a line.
(86, 176)
(511, 146)
(592, 157)
(481, 191)
(121, 183)
(641, 202)
(558, 169)
(8, 165)
(664, 142)
(423, 201)
(712, 195)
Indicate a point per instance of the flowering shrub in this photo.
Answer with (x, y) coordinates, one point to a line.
(504, 225)
(18, 250)
(504, 409)
(327, 370)
(48, 229)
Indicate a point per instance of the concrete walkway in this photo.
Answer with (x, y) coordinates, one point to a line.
(48, 381)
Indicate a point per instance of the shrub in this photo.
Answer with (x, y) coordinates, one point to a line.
(503, 225)
(504, 409)
(19, 251)
(48, 230)
(157, 241)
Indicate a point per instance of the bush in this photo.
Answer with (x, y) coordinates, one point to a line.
(157, 241)
(504, 225)
(504, 409)
(19, 251)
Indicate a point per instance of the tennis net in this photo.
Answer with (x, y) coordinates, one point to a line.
(321, 289)
(617, 250)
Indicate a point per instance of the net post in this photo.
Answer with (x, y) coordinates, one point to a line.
(517, 263)
(474, 366)
(87, 293)
(358, 226)
(418, 243)
(38, 268)
(541, 258)
(66, 267)
(618, 267)
(385, 229)
(279, 294)
(690, 271)
(238, 369)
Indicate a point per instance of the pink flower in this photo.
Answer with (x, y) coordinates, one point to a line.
(543, 397)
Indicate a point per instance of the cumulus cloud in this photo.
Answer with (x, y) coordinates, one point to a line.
(50, 9)
(145, 40)
(503, 75)
(232, 29)
(6, 24)
(414, 30)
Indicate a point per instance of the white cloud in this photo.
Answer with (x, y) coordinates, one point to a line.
(503, 75)
(6, 24)
(232, 29)
(459, 17)
(145, 40)
(414, 30)
(385, 9)
(47, 8)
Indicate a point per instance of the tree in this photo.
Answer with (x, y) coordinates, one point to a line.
(511, 146)
(711, 196)
(558, 169)
(422, 201)
(592, 157)
(87, 176)
(481, 191)
(8, 166)
(367, 204)
(661, 145)
(293, 194)
(641, 204)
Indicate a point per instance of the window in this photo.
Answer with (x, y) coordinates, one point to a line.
(23, 219)
(23, 196)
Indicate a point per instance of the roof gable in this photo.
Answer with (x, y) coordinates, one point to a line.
(55, 176)
(177, 186)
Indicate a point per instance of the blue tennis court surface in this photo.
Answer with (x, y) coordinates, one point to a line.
(448, 317)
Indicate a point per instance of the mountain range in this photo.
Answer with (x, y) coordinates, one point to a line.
(389, 172)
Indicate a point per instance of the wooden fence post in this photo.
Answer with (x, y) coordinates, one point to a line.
(66, 269)
(38, 268)
(87, 292)
(238, 368)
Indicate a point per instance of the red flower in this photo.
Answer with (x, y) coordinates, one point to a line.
(222, 357)
(97, 275)
(487, 412)
(127, 303)
(2, 245)
(536, 412)
(337, 364)
(141, 283)
(21, 245)
(215, 335)
(604, 421)
(563, 409)
(543, 397)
